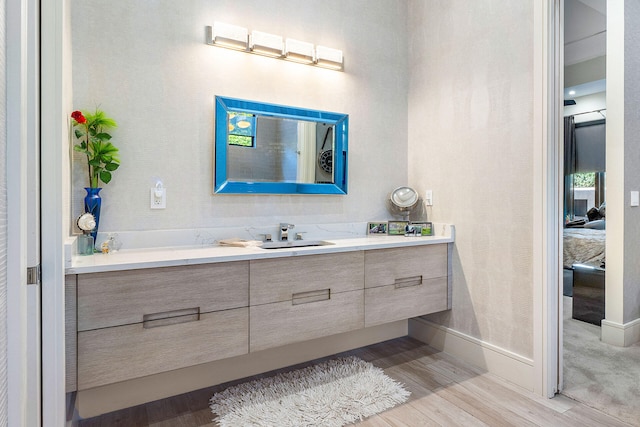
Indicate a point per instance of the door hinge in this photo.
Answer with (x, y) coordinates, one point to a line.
(33, 275)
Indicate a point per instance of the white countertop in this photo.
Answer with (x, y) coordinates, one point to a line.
(131, 259)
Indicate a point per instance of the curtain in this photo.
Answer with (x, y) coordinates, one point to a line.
(591, 146)
(570, 163)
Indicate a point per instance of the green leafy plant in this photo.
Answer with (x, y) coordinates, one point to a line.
(93, 141)
(582, 180)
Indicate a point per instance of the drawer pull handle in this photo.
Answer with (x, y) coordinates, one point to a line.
(406, 282)
(311, 296)
(167, 318)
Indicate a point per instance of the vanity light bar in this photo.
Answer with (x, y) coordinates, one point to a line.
(272, 45)
(266, 44)
(229, 36)
(329, 58)
(297, 51)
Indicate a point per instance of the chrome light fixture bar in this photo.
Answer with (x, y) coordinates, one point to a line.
(229, 36)
(299, 51)
(266, 44)
(272, 45)
(329, 58)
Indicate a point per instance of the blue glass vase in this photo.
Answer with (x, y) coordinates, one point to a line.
(92, 204)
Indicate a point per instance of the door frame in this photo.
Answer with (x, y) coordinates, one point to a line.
(16, 174)
(546, 227)
(34, 291)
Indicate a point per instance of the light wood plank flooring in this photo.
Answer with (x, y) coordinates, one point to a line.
(444, 392)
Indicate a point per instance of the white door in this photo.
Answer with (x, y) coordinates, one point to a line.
(23, 212)
(55, 99)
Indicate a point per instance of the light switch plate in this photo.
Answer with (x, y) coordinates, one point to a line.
(635, 198)
(428, 197)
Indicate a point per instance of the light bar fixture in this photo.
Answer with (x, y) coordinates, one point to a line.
(298, 51)
(328, 58)
(229, 36)
(272, 45)
(266, 44)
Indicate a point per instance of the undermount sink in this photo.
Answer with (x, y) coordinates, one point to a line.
(294, 244)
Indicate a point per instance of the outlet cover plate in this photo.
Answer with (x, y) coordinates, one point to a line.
(158, 199)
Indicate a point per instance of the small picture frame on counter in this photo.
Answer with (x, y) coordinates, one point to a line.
(377, 228)
(413, 230)
(397, 228)
(422, 228)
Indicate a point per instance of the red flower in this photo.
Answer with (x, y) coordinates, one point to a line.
(78, 117)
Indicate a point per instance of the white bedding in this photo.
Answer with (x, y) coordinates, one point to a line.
(583, 246)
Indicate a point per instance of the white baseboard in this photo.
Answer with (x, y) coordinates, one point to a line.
(496, 360)
(620, 334)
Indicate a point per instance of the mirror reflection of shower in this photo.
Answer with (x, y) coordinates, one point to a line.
(315, 152)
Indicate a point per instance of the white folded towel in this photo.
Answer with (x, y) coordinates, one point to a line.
(240, 242)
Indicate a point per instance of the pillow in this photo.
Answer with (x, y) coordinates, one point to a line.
(593, 214)
(596, 225)
(603, 210)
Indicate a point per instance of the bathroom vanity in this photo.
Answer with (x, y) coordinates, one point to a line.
(133, 316)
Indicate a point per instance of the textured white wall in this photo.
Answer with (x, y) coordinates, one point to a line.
(147, 65)
(631, 155)
(3, 218)
(471, 142)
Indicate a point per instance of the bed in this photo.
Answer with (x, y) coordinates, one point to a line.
(583, 246)
(584, 274)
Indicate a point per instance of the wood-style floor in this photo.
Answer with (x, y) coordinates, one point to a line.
(444, 392)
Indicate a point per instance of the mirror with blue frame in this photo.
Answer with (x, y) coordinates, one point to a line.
(266, 148)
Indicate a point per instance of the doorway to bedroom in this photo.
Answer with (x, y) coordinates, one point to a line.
(584, 207)
(585, 109)
(594, 373)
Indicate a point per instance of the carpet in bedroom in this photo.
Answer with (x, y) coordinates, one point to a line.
(599, 375)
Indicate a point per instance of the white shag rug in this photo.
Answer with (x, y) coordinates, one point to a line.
(332, 393)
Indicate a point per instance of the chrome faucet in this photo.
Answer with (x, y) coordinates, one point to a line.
(284, 231)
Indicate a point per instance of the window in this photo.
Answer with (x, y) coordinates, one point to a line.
(582, 180)
(242, 129)
(588, 192)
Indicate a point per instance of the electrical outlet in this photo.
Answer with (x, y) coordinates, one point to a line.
(158, 198)
(428, 197)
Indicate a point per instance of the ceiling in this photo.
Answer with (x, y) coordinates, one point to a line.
(585, 30)
(585, 44)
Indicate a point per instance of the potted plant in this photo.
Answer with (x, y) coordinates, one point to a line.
(90, 130)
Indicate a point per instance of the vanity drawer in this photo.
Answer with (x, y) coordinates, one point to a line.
(275, 280)
(286, 322)
(125, 297)
(410, 298)
(385, 267)
(116, 354)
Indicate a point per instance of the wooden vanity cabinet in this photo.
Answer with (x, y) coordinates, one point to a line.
(70, 333)
(134, 323)
(401, 283)
(301, 298)
(141, 322)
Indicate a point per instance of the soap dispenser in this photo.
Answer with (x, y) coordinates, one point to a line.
(86, 222)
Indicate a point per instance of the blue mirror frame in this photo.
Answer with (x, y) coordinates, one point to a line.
(224, 106)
